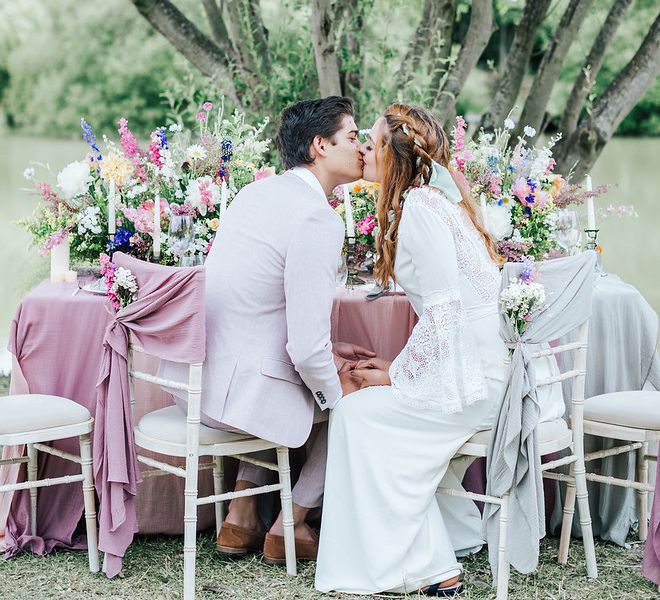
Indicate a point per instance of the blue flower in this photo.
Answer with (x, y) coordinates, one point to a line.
(90, 138)
(162, 136)
(227, 150)
(121, 239)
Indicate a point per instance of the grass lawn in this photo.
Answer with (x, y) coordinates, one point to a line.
(153, 570)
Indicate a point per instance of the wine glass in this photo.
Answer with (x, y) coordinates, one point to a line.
(342, 271)
(567, 232)
(180, 235)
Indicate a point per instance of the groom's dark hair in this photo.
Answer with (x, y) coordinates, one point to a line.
(301, 122)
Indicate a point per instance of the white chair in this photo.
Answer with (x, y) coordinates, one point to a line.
(33, 420)
(553, 436)
(169, 432)
(632, 417)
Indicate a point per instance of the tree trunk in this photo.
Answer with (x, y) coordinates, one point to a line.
(211, 59)
(476, 40)
(592, 64)
(416, 48)
(216, 24)
(325, 55)
(248, 37)
(583, 146)
(442, 19)
(350, 19)
(516, 64)
(548, 72)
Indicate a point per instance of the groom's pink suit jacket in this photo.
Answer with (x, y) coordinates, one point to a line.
(270, 281)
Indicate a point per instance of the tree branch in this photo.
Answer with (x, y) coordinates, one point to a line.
(550, 67)
(517, 62)
(417, 47)
(325, 55)
(211, 59)
(584, 145)
(442, 19)
(217, 25)
(592, 64)
(476, 40)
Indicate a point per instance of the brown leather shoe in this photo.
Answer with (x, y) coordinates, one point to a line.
(274, 549)
(238, 541)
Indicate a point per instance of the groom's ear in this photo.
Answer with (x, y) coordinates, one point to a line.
(318, 147)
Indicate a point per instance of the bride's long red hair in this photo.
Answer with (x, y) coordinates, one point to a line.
(412, 139)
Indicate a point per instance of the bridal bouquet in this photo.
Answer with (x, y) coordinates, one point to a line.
(517, 189)
(522, 298)
(120, 283)
(118, 197)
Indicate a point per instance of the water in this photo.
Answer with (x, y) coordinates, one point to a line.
(631, 245)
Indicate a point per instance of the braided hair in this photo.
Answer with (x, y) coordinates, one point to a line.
(413, 139)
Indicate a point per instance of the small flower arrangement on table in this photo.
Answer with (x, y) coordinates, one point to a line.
(517, 189)
(522, 298)
(123, 197)
(363, 197)
(120, 283)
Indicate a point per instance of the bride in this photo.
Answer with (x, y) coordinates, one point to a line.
(391, 442)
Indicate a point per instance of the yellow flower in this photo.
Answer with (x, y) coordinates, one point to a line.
(340, 209)
(557, 184)
(505, 200)
(115, 167)
(214, 224)
(239, 162)
(357, 188)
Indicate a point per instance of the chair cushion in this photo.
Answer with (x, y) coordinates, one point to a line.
(637, 409)
(552, 436)
(169, 425)
(31, 412)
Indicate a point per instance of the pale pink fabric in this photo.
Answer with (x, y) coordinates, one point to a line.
(167, 320)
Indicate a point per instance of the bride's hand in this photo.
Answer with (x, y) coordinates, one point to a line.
(374, 363)
(370, 377)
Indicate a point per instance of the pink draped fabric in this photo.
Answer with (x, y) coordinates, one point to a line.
(167, 320)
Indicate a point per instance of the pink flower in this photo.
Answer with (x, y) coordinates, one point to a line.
(458, 135)
(207, 106)
(127, 140)
(208, 247)
(551, 165)
(263, 173)
(201, 117)
(366, 225)
(55, 239)
(494, 186)
(520, 189)
(467, 155)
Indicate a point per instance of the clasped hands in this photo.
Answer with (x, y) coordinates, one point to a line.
(359, 368)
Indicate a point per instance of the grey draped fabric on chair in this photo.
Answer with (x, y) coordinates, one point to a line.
(513, 463)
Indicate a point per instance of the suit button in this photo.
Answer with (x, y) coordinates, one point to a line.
(323, 401)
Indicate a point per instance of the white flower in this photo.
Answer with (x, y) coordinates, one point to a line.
(124, 279)
(136, 190)
(28, 173)
(499, 221)
(196, 152)
(88, 220)
(175, 127)
(509, 124)
(74, 180)
(529, 131)
(517, 237)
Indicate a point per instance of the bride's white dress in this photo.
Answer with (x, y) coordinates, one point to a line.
(390, 446)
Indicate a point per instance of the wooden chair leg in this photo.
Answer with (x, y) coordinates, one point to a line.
(32, 476)
(567, 521)
(503, 568)
(190, 527)
(585, 519)
(642, 495)
(287, 510)
(89, 498)
(218, 488)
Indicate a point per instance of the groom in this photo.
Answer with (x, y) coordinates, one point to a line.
(269, 290)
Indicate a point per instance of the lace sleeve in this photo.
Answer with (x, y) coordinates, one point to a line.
(439, 367)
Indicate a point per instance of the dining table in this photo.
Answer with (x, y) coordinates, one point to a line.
(56, 342)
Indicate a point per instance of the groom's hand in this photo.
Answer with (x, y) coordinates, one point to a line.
(348, 384)
(351, 351)
(374, 363)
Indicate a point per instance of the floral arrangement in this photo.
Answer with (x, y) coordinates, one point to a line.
(518, 191)
(364, 195)
(181, 172)
(522, 298)
(120, 283)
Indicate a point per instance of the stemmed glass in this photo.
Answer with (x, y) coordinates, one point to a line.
(567, 232)
(181, 236)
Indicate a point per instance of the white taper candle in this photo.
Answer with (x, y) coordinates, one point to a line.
(111, 208)
(223, 197)
(348, 212)
(157, 227)
(591, 213)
